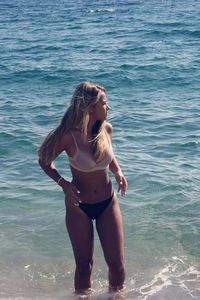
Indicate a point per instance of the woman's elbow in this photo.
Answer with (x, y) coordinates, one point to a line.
(44, 165)
(41, 163)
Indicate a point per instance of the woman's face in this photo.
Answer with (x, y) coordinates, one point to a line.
(100, 109)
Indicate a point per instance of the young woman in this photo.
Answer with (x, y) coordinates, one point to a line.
(86, 137)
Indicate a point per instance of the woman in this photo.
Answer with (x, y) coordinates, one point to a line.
(85, 136)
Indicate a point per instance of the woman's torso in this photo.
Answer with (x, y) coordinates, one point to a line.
(91, 178)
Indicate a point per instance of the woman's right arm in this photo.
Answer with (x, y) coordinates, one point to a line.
(69, 189)
(51, 171)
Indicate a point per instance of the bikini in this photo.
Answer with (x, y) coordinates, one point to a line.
(93, 211)
(83, 162)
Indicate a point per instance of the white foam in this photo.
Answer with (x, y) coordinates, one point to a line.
(177, 277)
(176, 274)
(110, 10)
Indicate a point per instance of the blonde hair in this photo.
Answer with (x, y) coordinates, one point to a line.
(76, 117)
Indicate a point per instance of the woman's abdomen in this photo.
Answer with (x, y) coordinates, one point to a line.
(94, 187)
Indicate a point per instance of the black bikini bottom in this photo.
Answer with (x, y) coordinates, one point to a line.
(93, 211)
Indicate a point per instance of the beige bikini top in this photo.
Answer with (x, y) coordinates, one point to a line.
(83, 162)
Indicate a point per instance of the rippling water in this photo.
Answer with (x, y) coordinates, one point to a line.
(146, 54)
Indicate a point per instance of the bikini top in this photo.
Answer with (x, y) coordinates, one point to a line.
(83, 162)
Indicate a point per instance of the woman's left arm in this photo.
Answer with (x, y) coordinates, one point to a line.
(115, 167)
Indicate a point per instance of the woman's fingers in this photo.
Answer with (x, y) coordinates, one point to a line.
(125, 186)
(73, 196)
(76, 197)
(122, 186)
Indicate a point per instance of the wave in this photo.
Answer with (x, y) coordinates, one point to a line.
(177, 277)
(98, 10)
(176, 32)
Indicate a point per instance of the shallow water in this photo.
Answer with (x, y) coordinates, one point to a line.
(147, 57)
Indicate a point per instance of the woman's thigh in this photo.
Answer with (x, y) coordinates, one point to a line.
(110, 230)
(80, 230)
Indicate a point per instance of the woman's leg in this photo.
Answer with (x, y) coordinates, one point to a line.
(110, 231)
(80, 229)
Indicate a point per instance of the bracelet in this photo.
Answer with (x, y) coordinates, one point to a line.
(59, 180)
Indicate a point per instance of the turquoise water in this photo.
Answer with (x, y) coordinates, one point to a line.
(146, 54)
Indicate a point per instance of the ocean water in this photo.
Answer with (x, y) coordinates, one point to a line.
(147, 55)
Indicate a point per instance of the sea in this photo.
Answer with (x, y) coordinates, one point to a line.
(147, 56)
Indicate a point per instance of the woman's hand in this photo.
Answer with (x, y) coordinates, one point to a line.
(71, 193)
(122, 182)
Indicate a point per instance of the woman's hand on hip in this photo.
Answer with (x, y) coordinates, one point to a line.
(71, 193)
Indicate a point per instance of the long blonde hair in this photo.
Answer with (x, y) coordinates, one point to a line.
(76, 117)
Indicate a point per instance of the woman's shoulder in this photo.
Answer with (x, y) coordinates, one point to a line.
(67, 143)
(66, 140)
(108, 127)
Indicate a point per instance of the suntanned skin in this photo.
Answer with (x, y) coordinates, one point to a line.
(93, 187)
